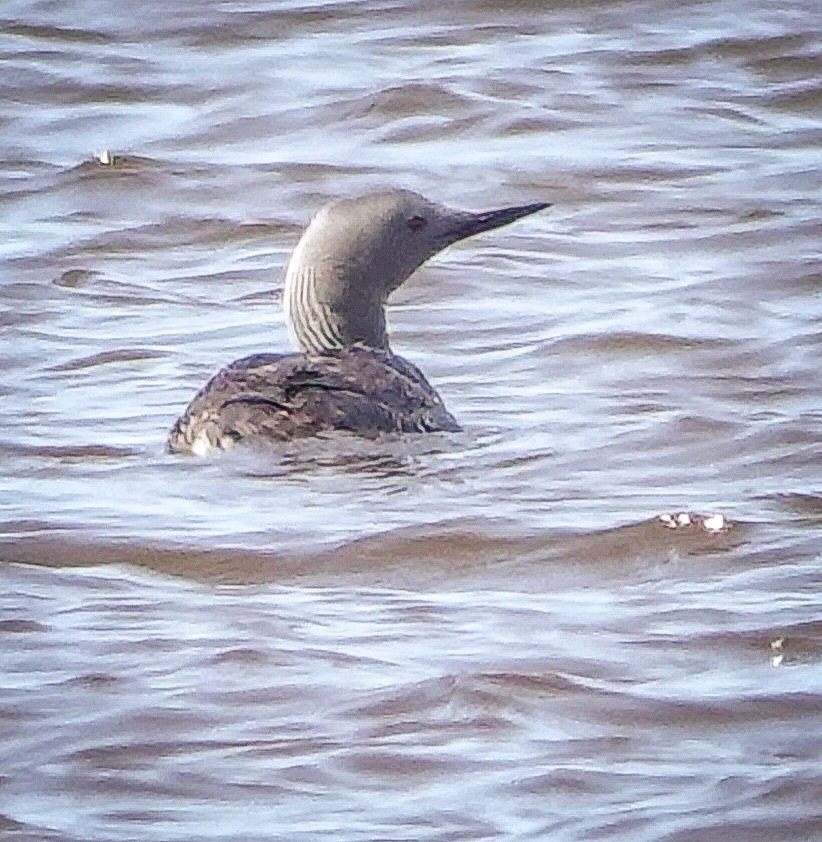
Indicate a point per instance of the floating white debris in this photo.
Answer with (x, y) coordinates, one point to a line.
(674, 520)
(714, 523)
(710, 523)
(105, 158)
(776, 660)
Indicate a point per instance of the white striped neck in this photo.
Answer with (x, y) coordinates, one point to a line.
(356, 252)
(324, 312)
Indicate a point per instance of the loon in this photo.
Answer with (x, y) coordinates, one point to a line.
(344, 376)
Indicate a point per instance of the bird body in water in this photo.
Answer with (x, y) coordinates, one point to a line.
(344, 377)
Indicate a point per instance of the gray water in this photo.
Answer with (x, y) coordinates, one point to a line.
(474, 636)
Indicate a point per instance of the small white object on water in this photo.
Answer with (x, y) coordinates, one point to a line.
(710, 523)
(104, 158)
(777, 643)
(776, 660)
(676, 519)
(714, 523)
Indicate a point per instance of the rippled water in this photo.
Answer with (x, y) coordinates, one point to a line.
(474, 636)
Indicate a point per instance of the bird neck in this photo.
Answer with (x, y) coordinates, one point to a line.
(327, 309)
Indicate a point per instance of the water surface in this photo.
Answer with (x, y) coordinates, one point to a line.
(474, 636)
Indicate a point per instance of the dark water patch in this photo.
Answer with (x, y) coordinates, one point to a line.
(425, 128)
(411, 99)
(629, 342)
(73, 278)
(806, 505)
(23, 291)
(750, 638)
(536, 125)
(68, 452)
(440, 555)
(806, 99)
(742, 47)
(105, 163)
(9, 825)
(163, 235)
(252, 25)
(780, 709)
(762, 829)
(265, 298)
(94, 681)
(54, 33)
(11, 527)
(796, 644)
(19, 319)
(119, 355)
(789, 67)
(21, 627)
(241, 656)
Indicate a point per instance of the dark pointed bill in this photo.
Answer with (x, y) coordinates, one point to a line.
(476, 223)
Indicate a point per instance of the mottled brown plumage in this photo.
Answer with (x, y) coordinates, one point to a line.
(285, 396)
(351, 257)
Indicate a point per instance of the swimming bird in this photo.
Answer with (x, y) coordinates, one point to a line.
(353, 255)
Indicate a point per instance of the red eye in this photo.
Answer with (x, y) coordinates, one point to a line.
(416, 223)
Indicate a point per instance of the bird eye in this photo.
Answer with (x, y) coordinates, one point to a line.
(416, 223)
